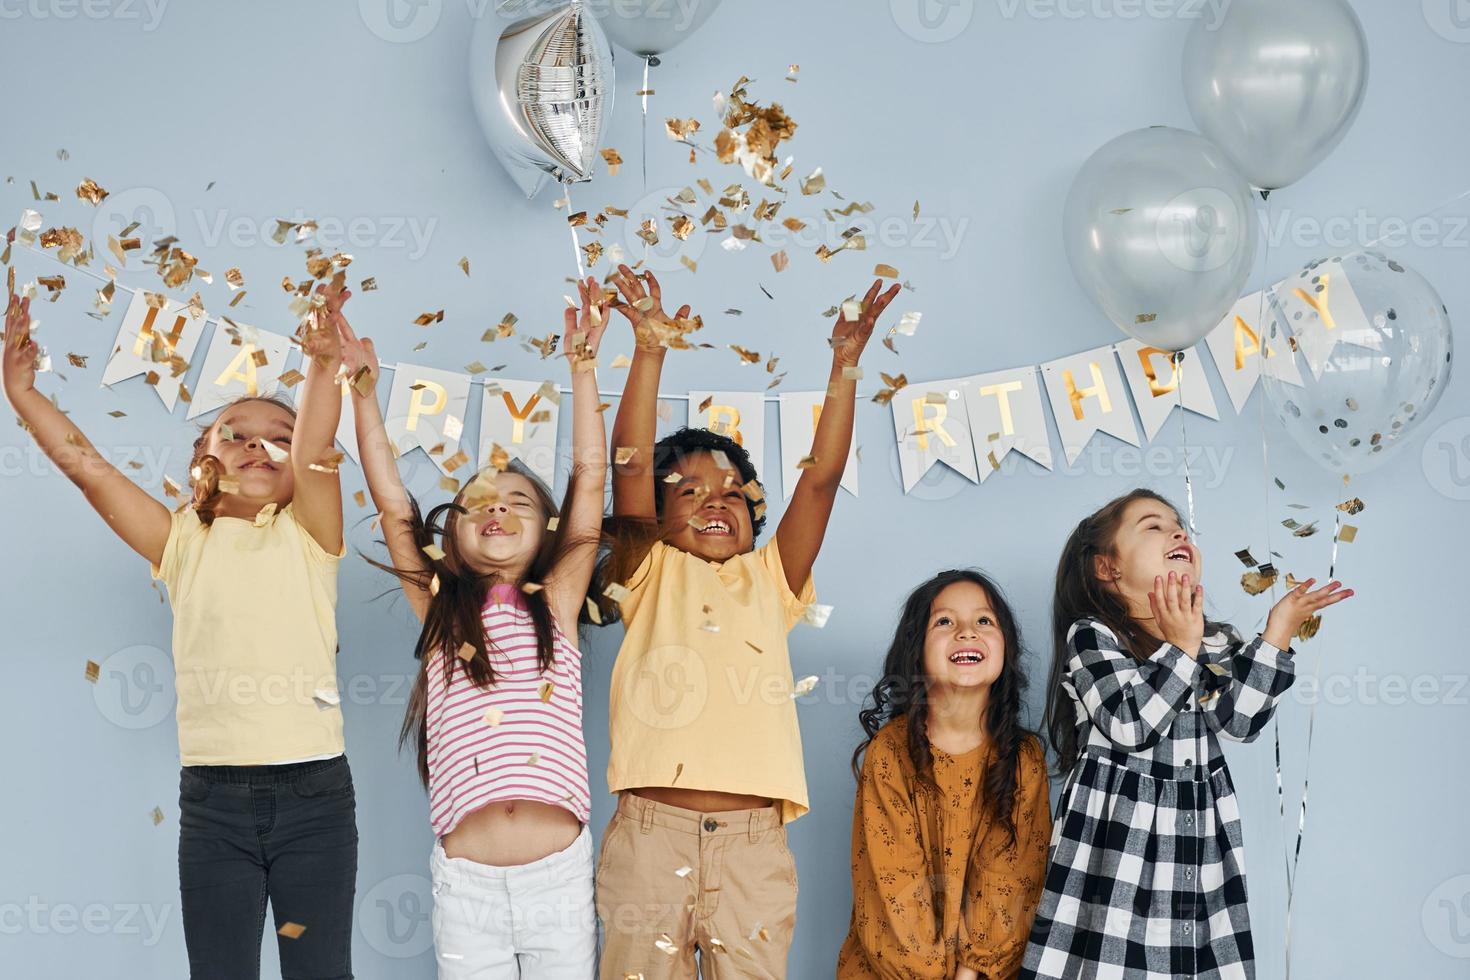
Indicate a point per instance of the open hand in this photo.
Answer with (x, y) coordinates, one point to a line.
(323, 339)
(1179, 612)
(20, 349)
(356, 355)
(1298, 606)
(584, 333)
(644, 307)
(849, 337)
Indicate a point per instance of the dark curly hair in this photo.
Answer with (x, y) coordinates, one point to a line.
(904, 693)
(677, 446)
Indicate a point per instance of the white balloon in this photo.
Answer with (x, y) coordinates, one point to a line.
(1161, 233)
(650, 27)
(1277, 83)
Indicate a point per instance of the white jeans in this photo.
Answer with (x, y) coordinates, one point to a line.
(536, 921)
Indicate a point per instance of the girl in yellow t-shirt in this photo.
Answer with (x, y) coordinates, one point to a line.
(266, 805)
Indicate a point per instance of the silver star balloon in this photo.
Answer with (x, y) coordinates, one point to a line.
(541, 74)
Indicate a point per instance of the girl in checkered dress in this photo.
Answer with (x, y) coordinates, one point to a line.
(1146, 872)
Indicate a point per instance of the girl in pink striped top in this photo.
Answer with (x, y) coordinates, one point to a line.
(499, 578)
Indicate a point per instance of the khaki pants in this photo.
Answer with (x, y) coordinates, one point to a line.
(672, 880)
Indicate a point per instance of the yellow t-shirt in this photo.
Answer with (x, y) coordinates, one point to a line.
(701, 690)
(255, 640)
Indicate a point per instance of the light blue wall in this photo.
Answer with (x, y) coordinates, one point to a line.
(302, 110)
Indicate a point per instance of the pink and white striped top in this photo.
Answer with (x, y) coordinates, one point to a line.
(514, 740)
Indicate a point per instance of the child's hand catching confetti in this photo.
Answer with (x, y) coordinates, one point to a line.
(1298, 606)
(850, 336)
(20, 349)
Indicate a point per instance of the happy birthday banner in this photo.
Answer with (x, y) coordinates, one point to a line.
(969, 424)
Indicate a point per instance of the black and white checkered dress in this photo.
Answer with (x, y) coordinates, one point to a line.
(1146, 877)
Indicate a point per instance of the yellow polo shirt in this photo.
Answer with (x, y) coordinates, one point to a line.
(255, 640)
(702, 687)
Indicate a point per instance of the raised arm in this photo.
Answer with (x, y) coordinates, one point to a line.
(142, 522)
(799, 536)
(637, 419)
(566, 586)
(380, 467)
(317, 498)
(1257, 673)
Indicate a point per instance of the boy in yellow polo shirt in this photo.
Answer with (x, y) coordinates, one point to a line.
(705, 747)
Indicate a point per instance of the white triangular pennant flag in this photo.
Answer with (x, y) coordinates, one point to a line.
(171, 331)
(426, 410)
(741, 415)
(521, 417)
(1320, 308)
(800, 412)
(1157, 383)
(1239, 342)
(1005, 413)
(933, 426)
(250, 368)
(1088, 396)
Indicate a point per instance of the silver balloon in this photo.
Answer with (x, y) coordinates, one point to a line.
(541, 75)
(1372, 368)
(651, 27)
(1277, 83)
(1161, 233)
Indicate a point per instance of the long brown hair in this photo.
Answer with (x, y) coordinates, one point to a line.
(457, 600)
(904, 693)
(205, 469)
(1080, 594)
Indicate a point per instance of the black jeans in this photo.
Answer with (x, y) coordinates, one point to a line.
(286, 833)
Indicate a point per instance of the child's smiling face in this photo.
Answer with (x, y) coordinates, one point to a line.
(502, 537)
(964, 646)
(710, 498)
(238, 440)
(1150, 543)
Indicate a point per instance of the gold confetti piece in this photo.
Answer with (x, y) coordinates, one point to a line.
(681, 129)
(710, 626)
(1351, 507)
(449, 484)
(817, 614)
(613, 160)
(493, 717)
(534, 759)
(466, 652)
(434, 552)
(666, 945)
(853, 373)
(683, 226)
(885, 271)
(621, 361)
(678, 771)
(1246, 558)
(617, 593)
(804, 686)
(806, 462)
(688, 263)
(1257, 581)
(157, 816)
(94, 671)
(292, 378)
(760, 933)
(370, 284)
(291, 930)
(265, 514)
(593, 613)
(684, 872)
(1348, 534)
(546, 690)
(814, 184)
(1309, 629)
(499, 458)
(781, 260)
(88, 191)
(426, 319)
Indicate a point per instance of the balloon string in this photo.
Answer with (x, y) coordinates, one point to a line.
(1266, 480)
(1184, 437)
(1301, 822)
(648, 64)
(576, 242)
